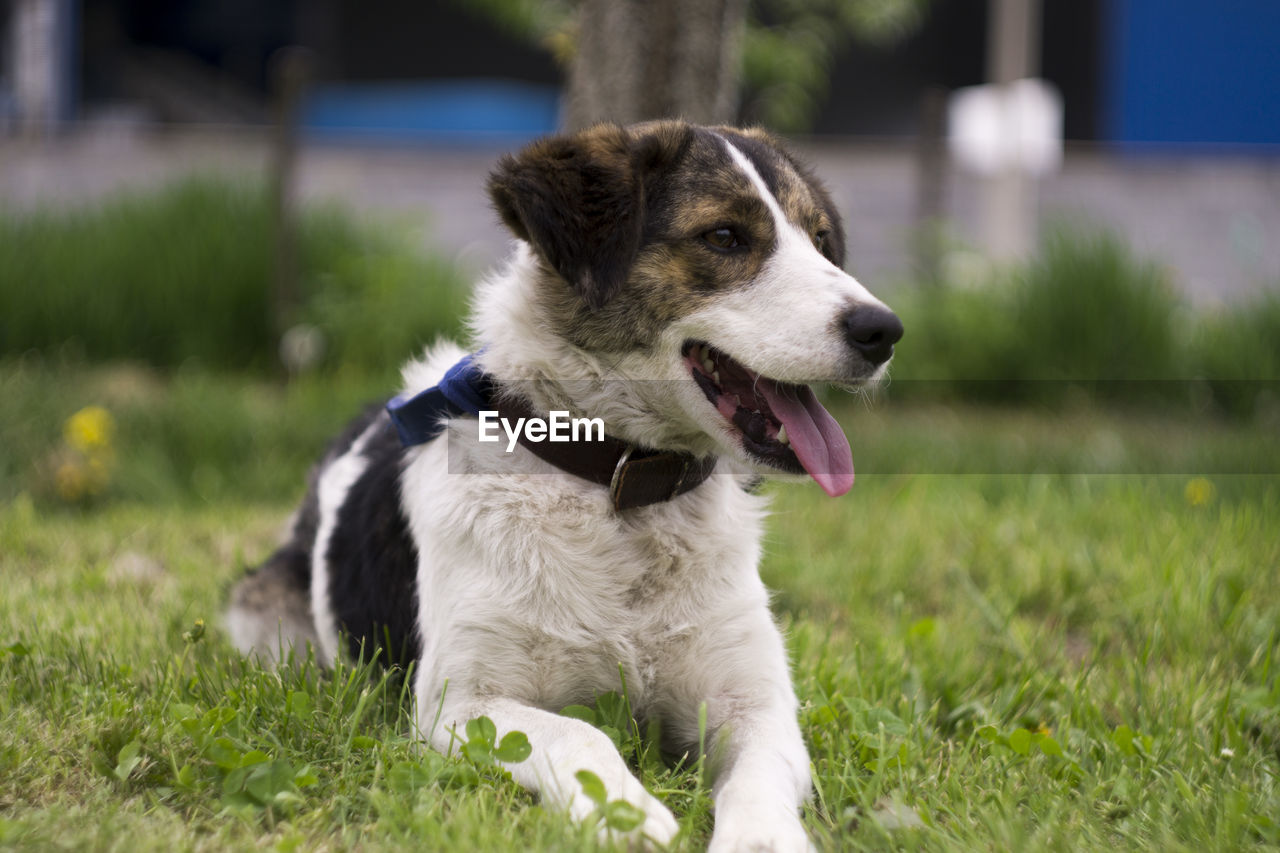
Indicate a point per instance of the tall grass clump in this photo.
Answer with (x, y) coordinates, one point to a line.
(185, 275)
(1237, 355)
(1085, 314)
(380, 300)
(165, 278)
(1087, 308)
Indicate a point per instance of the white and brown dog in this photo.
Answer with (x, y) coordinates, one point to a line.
(683, 285)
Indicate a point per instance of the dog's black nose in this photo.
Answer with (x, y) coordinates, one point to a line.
(873, 331)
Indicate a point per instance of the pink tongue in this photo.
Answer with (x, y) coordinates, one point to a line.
(816, 438)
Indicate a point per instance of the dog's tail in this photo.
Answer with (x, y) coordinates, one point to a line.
(270, 613)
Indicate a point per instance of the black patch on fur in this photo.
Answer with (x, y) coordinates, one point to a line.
(373, 563)
(704, 176)
(351, 432)
(308, 519)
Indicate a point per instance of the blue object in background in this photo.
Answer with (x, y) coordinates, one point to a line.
(451, 112)
(1203, 72)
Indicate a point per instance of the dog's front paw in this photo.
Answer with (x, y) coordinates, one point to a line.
(758, 834)
(658, 826)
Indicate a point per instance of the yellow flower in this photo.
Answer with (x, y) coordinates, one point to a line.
(89, 429)
(1198, 492)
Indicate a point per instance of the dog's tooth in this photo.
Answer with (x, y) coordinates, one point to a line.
(715, 376)
(782, 434)
(709, 365)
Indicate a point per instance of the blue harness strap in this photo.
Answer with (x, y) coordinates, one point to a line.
(464, 390)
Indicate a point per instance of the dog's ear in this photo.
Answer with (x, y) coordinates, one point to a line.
(579, 201)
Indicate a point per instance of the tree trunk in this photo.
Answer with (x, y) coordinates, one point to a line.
(646, 59)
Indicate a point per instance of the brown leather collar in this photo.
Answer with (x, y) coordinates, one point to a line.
(635, 476)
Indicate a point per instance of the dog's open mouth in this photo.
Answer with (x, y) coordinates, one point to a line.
(781, 424)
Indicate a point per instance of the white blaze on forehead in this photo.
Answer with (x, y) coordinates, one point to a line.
(784, 225)
(795, 250)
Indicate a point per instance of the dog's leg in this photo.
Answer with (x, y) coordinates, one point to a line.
(762, 781)
(758, 760)
(561, 747)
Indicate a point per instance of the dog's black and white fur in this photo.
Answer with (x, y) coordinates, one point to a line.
(703, 257)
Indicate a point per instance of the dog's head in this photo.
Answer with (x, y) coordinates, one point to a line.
(709, 256)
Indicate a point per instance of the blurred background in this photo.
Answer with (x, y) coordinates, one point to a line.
(223, 224)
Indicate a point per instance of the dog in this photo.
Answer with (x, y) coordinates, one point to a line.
(682, 285)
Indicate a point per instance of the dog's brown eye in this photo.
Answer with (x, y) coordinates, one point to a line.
(820, 240)
(722, 238)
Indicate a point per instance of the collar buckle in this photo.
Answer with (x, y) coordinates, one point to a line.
(660, 479)
(619, 477)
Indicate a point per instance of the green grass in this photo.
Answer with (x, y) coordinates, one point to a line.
(1087, 607)
(1087, 316)
(1038, 628)
(198, 437)
(1084, 308)
(184, 276)
(193, 436)
(1242, 341)
(952, 634)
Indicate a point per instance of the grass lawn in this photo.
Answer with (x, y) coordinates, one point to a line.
(986, 660)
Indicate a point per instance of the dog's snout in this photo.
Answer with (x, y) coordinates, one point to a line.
(872, 331)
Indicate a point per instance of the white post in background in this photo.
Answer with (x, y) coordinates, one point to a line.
(43, 63)
(1008, 131)
(1009, 198)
